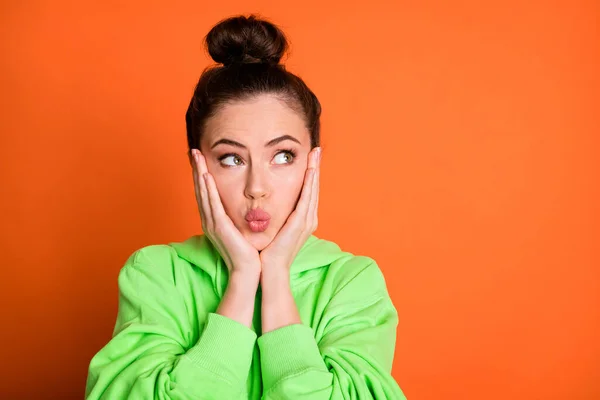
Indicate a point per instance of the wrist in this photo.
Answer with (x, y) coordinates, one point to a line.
(244, 281)
(239, 298)
(278, 304)
(275, 284)
(275, 276)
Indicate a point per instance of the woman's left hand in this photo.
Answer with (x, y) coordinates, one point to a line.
(301, 223)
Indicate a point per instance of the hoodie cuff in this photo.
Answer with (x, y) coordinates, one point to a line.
(287, 351)
(225, 348)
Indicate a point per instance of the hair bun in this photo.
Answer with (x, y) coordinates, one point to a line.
(240, 40)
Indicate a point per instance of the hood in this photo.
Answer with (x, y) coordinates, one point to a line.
(199, 251)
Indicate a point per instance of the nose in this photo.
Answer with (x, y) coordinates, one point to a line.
(256, 183)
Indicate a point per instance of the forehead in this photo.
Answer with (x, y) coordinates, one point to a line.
(255, 120)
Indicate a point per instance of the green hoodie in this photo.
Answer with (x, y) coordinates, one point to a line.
(168, 342)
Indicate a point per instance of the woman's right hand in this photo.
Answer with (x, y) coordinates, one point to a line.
(237, 252)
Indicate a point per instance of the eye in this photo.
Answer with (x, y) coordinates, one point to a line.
(236, 160)
(282, 157)
(288, 156)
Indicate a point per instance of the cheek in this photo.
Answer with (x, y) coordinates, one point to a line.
(289, 188)
(228, 187)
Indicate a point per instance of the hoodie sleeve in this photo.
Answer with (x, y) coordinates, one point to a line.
(350, 357)
(155, 352)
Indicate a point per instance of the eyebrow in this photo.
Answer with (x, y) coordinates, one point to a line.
(270, 143)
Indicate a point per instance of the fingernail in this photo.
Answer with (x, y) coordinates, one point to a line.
(319, 153)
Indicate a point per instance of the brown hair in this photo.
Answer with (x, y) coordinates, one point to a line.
(249, 50)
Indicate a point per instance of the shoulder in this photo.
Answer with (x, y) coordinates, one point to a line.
(344, 269)
(152, 263)
(148, 257)
(174, 263)
(151, 254)
(357, 286)
(354, 278)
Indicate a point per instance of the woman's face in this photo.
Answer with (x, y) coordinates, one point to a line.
(249, 148)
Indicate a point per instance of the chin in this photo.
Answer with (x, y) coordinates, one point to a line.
(259, 240)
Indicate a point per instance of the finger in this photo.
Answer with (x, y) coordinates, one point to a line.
(202, 193)
(201, 163)
(313, 163)
(313, 159)
(318, 190)
(209, 208)
(314, 196)
(217, 209)
(205, 199)
(314, 199)
(304, 201)
(197, 193)
(197, 183)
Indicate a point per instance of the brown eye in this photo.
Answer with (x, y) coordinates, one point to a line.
(287, 158)
(236, 160)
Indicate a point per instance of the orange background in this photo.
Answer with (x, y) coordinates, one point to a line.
(460, 151)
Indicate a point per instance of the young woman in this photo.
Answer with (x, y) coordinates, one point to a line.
(257, 307)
